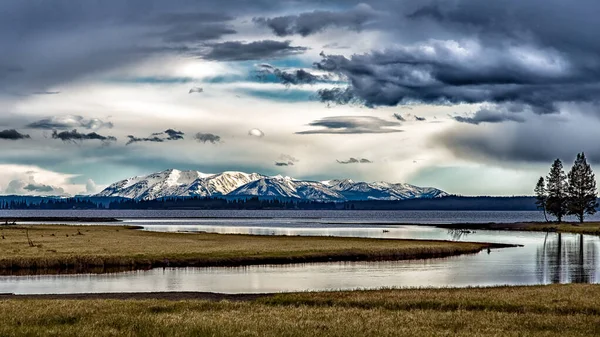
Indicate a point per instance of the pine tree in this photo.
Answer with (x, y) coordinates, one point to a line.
(556, 203)
(582, 193)
(541, 196)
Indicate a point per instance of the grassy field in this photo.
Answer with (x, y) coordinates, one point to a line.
(591, 228)
(558, 310)
(88, 248)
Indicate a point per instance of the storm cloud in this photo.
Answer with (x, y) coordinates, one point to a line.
(289, 77)
(75, 136)
(492, 114)
(451, 53)
(257, 50)
(351, 125)
(538, 139)
(12, 134)
(313, 22)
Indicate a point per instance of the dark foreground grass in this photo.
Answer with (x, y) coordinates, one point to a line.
(34, 249)
(566, 310)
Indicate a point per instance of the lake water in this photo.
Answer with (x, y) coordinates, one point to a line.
(544, 258)
(303, 218)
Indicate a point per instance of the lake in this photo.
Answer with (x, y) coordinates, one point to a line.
(544, 258)
(310, 217)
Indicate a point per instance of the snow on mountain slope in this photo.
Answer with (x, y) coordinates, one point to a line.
(382, 190)
(286, 187)
(171, 183)
(175, 183)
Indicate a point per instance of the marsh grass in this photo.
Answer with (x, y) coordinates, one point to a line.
(590, 228)
(566, 310)
(89, 248)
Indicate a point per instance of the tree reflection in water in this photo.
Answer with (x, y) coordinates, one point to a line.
(456, 233)
(566, 258)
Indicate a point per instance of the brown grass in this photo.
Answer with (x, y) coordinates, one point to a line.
(89, 248)
(566, 310)
(591, 228)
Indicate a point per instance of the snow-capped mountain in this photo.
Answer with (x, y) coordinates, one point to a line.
(286, 187)
(175, 183)
(381, 190)
(172, 182)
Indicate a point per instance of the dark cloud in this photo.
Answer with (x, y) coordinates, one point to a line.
(133, 139)
(38, 188)
(198, 32)
(313, 22)
(492, 114)
(351, 125)
(355, 161)
(470, 52)
(158, 137)
(75, 136)
(31, 187)
(172, 134)
(539, 139)
(69, 122)
(257, 50)
(399, 117)
(95, 37)
(12, 134)
(190, 17)
(207, 138)
(289, 77)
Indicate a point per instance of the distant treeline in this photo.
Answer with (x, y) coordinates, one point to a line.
(445, 203)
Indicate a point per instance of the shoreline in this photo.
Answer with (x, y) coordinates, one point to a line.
(55, 249)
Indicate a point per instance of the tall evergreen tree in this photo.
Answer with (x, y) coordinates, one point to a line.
(541, 196)
(582, 193)
(557, 188)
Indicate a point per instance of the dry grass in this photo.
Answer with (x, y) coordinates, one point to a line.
(591, 228)
(521, 311)
(85, 248)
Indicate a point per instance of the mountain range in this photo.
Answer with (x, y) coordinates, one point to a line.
(176, 183)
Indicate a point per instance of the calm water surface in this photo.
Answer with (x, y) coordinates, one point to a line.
(302, 218)
(543, 259)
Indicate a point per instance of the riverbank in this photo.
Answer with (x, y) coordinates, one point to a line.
(556, 310)
(590, 228)
(78, 249)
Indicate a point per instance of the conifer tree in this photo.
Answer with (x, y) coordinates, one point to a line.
(556, 203)
(582, 193)
(541, 196)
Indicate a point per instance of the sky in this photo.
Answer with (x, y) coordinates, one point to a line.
(472, 97)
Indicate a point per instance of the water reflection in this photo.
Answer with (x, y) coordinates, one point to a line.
(457, 234)
(566, 258)
(543, 258)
